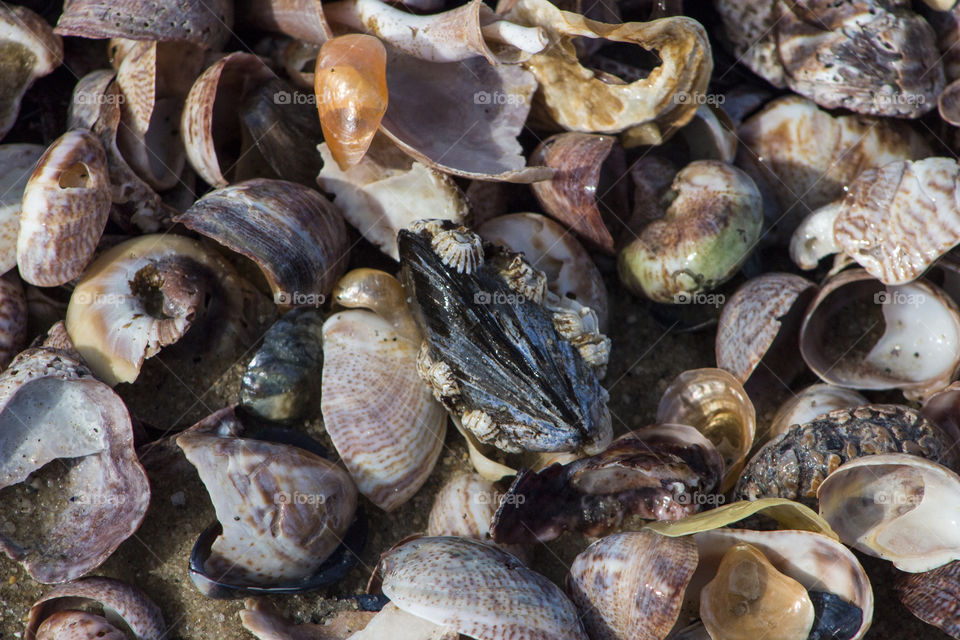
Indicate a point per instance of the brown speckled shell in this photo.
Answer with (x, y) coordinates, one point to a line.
(13, 319)
(794, 464)
(78, 625)
(934, 596)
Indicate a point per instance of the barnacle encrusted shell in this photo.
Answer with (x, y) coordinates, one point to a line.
(871, 57)
(16, 166)
(387, 190)
(283, 510)
(495, 355)
(810, 403)
(895, 221)
(934, 596)
(712, 216)
(795, 463)
(294, 234)
(146, 293)
(661, 472)
(918, 351)
(29, 49)
(477, 590)
(763, 316)
(630, 586)
(384, 421)
(65, 206)
(121, 602)
(685, 68)
(51, 408)
(895, 506)
(802, 157)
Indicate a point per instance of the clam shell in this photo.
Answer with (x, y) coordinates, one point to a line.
(763, 316)
(795, 463)
(711, 135)
(29, 50)
(65, 207)
(100, 492)
(262, 619)
(933, 595)
(77, 625)
(119, 600)
(300, 19)
(810, 403)
(464, 507)
(630, 586)
(16, 166)
(477, 590)
(296, 237)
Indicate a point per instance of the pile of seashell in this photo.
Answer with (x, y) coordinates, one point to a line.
(272, 248)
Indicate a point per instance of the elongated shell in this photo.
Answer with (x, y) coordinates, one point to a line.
(933, 596)
(16, 166)
(477, 590)
(810, 403)
(382, 418)
(65, 207)
(894, 506)
(29, 49)
(630, 586)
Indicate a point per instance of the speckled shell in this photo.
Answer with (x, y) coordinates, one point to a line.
(794, 464)
(934, 596)
(16, 166)
(53, 409)
(261, 618)
(570, 195)
(630, 586)
(762, 310)
(65, 207)
(283, 509)
(477, 590)
(129, 604)
(810, 403)
(29, 49)
(77, 625)
(294, 234)
(464, 507)
(13, 319)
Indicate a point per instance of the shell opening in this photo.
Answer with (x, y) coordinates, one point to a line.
(76, 176)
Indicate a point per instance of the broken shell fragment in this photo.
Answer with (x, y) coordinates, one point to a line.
(387, 190)
(794, 464)
(537, 389)
(714, 403)
(351, 87)
(51, 408)
(894, 506)
(65, 207)
(933, 596)
(294, 234)
(263, 620)
(124, 605)
(712, 216)
(29, 49)
(382, 418)
(16, 166)
(476, 590)
(810, 403)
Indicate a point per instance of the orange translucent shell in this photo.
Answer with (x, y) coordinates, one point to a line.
(351, 88)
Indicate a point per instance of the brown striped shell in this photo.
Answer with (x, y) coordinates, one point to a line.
(934, 596)
(299, 19)
(29, 49)
(65, 207)
(16, 165)
(464, 507)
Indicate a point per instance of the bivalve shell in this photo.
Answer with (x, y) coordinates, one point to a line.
(933, 596)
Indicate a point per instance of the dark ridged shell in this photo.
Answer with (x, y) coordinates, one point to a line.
(934, 596)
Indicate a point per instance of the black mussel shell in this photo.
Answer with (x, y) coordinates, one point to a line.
(834, 617)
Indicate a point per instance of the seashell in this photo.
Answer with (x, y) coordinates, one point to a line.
(283, 510)
(279, 380)
(264, 621)
(795, 463)
(16, 166)
(65, 206)
(630, 585)
(711, 135)
(570, 195)
(811, 403)
(617, 102)
(941, 409)
(300, 19)
(78, 625)
(897, 507)
(296, 237)
(915, 353)
(748, 598)
(656, 473)
(791, 150)
(763, 317)
(932, 596)
(948, 104)
(895, 221)
(535, 389)
(30, 50)
(146, 293)
(96, 106)
(714, 403)
(51, 408)
(867, 56)
(431, 101)
(299, 60)
(548, 247)
(383, 420)
(476, 590)
(211, 102)
(201, 23)
(467, 31)
(13, 319)
(387, 190)
(711, 222)
(122, 603)
(351, 88)
(464, 507)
